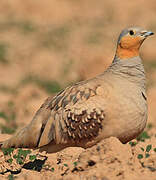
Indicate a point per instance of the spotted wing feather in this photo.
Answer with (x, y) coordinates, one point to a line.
(76, 116)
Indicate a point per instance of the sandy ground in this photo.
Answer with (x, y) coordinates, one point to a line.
(47, 45)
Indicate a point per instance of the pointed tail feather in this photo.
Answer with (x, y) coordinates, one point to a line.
(31, 134)
(23, 138)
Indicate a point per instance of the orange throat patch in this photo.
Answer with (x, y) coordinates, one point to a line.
(128, 47)
(123, 53)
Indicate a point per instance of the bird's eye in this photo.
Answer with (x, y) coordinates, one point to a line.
(131, 32)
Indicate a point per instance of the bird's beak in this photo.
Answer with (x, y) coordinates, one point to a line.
(146, 33)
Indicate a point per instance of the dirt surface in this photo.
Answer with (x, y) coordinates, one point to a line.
(47, 45)
(108, 160)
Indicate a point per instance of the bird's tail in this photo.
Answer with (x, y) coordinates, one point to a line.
(31, 134)
(27, 137)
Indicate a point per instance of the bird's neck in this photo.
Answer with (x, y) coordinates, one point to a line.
(132, 69)
(125, 53)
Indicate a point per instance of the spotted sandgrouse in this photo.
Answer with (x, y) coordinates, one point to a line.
(111, 104)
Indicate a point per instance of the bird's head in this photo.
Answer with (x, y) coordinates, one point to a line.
(130, 41)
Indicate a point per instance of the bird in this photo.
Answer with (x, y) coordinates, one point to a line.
(113, 103)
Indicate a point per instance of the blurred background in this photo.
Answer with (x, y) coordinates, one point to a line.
(47, 45)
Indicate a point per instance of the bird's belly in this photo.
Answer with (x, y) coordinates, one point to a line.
(133, 120)
(127, 117)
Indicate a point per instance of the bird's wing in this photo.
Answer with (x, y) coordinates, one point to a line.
(72, 115)
(76, 115)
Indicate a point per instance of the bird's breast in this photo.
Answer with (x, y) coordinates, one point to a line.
(126, 111)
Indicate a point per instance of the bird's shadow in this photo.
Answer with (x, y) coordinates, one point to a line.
(36, 165)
